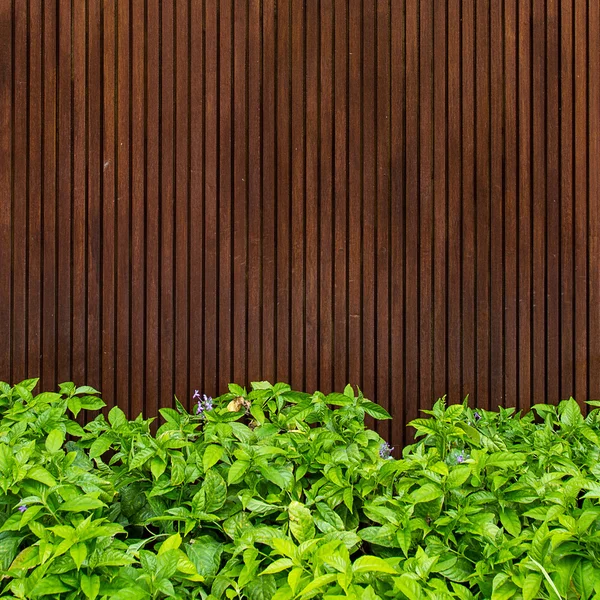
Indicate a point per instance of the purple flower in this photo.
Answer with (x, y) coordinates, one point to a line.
(385, 451)
(204, 403)
(460, 459)
(477, 416)
(22, 508)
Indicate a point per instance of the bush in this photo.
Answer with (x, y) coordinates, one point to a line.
(275, 495)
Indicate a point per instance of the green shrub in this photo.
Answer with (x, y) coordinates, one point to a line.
(280, 495)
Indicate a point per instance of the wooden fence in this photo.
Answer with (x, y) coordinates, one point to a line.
(401, 194)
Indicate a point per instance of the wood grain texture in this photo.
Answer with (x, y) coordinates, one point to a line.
(399, 194)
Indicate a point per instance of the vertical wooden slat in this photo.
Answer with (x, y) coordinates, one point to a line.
(167, 203)
(327, 199)
(202, 194)
(182, 222)
(469, 206)
(496, 207)
(511, 301)
(283, 237)
(255, 342)
(63, 190)
(397, 217)
(225, 284)
(152, 183)
(109, 181)
(210, 343)
(369, 204)
(482, 195)
(6, 171)
(268, 191)
(123, 206)
(340, 184)
(594, 197)
(525, 183)
(567, 283)
(312, 352)
(454, 200)
(354, 193)
(138, 210)
(383, 240)
(34, 217)
(94, 168)
(552, 202)
(298, 231)
(580, 199)
(17, 279)
(240, 189)
(426, 49)
(412, 213)
(538, 108)
(440, 184)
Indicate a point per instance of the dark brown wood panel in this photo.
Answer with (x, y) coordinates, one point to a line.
(399, 194)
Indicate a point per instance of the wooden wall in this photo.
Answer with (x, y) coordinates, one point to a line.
(402, 194)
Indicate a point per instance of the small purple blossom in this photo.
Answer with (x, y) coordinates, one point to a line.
(477, 416)
(385, 451)
(460, 459)
(22, 508)
(205, 403)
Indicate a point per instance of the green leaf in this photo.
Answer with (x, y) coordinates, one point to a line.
(86, 389)
(279, 565)
(177, 468)
(457, 476)
(24, 393)
(49, 585)
(570, 413)
(237, 471)
(81, 504)
(157, 466)
(78, 554)
(510, 521)
(372, 564)
(215, 491)
(237, 390)
(261, 588)
(90, 585)
(40, 474)
(584, 578)
(55, 440)
(171, 543)
(100, 445)
(531, 586)
(409, 587)
(257, 412)
(140, 458)
(505, 460)
(281, 478)
(374, 410)
(317, 583)
(337, 399)
(301, 522)
(92, 403)
(427, 493)
(212, 455)
(116, 417)
(29, 384)
(74, 405)
(261, 385)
